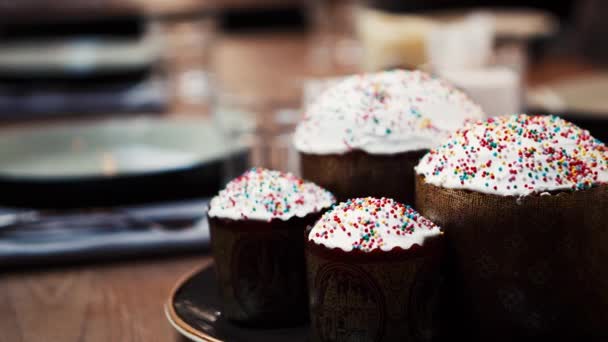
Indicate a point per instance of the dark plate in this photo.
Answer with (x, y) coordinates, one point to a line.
(77, 49)
(117, 162)
(194, 309)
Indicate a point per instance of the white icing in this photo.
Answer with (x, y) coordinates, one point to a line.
(516, 156)
(369, 224)
(261, 194)
(384, 113)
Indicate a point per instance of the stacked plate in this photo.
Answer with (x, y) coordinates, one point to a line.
(79, 66)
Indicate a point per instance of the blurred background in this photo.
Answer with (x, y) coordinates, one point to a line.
(119, 118)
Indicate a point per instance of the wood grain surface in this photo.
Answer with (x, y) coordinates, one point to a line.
(115, 302)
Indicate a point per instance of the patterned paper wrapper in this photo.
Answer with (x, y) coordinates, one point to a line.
(375, 296)
(261, 270)
(524, 267)
(360, 174)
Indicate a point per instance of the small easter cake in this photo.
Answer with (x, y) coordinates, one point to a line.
(363, 136)
(373, 273)
(257, 227)
(523, 201)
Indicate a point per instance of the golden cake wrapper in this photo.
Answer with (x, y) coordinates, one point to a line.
(387, 296)
(360, 174)
(521, 267)
(260, 269)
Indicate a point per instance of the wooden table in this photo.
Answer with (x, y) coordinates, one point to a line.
(124, 301)
(113, 302)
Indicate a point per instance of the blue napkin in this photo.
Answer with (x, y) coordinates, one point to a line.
(148, 232)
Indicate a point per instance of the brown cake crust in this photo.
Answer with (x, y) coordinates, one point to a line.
(261, 270)
(374, 296)
(524, 267)
(360, 174)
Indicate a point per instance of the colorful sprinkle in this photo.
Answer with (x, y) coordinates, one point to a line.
(516, 156)
(262, 194)
(368, 224)
(388, 112)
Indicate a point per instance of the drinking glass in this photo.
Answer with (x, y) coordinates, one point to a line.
(261, 125)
